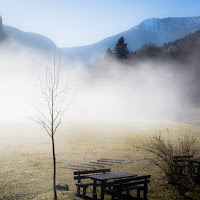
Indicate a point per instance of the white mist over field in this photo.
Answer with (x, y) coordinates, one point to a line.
(16, 83)
(148, 91)
(114, 92)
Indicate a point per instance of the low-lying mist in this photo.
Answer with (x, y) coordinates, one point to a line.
(150, 90)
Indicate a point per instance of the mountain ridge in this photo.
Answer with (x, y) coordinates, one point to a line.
(154, 30)
(29, 39)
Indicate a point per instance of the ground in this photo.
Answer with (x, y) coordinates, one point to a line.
(26, 158)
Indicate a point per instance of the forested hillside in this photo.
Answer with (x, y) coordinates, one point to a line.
(180, 50)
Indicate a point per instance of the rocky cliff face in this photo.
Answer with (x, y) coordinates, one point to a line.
(2, 34)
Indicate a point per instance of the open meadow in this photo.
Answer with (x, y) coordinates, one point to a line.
(26, 157)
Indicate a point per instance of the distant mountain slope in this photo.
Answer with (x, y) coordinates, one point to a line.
(30, 40)
(153, 30)
(158, 31)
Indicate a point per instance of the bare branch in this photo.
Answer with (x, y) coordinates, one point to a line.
(42, 114)
(42, 123)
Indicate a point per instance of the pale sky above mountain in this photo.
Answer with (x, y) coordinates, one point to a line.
(82, 22)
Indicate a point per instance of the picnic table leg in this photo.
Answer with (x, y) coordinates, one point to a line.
(198, 168)
(95, 190)
(191, 168)
(145, 189)
(103, 185)
(138, 193)
(84, 191)
(78, 191)
(127, 193)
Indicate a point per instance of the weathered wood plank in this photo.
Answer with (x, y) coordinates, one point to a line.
(112, 159)
(106, 161)
(81, 166)
(95, 165)
(101, 163)
(73, 168)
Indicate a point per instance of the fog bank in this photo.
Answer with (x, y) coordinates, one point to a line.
(151, 90)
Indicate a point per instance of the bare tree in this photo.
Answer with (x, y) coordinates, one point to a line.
(54, 99)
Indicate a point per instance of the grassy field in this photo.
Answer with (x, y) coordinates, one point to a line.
(26, 160)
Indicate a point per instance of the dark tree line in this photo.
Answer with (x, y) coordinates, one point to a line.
(180, 50)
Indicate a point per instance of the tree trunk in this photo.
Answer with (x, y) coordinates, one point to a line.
(54, 169)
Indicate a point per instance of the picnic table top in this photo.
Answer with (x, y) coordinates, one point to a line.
(104, 177)
(196, 160)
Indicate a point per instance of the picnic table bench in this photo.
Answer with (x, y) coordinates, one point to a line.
(106, 181)
(80, 175)
(196, 169)
(138, 183)
(183, 164)
(185, 158)
(187, 166)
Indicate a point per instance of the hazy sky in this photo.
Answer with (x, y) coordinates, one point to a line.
(81, 22)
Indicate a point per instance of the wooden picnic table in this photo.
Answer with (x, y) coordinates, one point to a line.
(196, 165)
(103, 178)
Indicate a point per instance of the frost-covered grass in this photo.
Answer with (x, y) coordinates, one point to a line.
(26, 160)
